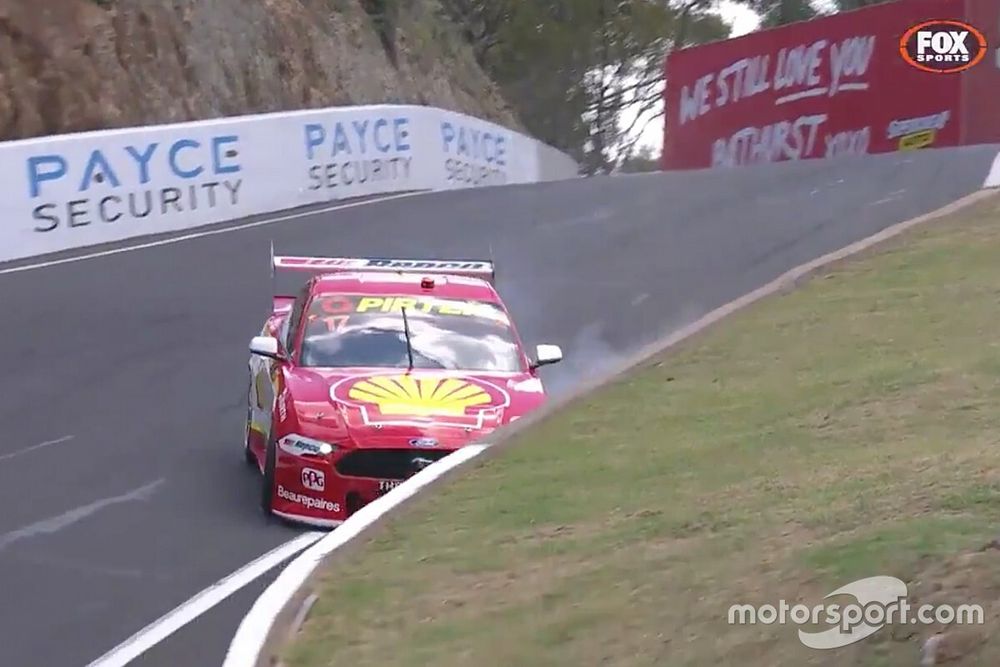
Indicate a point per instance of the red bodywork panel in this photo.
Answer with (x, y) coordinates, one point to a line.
(380, 419)
(981, 84)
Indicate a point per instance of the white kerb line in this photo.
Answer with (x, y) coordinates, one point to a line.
(158, 630)
(248, 642)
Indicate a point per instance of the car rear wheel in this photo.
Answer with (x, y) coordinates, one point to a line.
(267, 479)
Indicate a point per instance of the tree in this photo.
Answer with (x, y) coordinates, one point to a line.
(781, 12)
(847, 5)
(385, 17)
(631, 79)
(571, 68)
(641, 160)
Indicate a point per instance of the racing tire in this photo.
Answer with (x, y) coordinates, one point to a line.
(267, 479)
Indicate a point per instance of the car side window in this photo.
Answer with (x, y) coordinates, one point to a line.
(292, 323)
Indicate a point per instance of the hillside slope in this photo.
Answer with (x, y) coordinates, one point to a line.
(71, 65)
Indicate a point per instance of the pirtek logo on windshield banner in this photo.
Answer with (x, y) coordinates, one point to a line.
(943, 46)
(446, 401)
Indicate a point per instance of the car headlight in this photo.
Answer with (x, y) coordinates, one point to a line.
(300, 445)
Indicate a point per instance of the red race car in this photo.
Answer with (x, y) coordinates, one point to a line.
(375, 369)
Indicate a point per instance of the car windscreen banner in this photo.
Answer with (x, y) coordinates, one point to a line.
(823, 88)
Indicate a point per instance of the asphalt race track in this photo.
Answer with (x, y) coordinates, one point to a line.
(132, 367)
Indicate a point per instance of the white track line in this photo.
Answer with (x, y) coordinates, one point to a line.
(41, 445)
(210, 232)
(256, 625)
(54, 524)
(158, 630)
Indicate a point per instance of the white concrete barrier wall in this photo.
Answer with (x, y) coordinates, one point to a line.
(75, 190)
(993, 178)
(554, 163)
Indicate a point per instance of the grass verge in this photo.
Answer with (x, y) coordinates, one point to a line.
(844, 430)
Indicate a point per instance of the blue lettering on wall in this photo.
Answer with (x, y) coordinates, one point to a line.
(142, 159)
(99, 170)
(357, 138)
(175, 166)
(218, 155)
(340, 142)
(45, 168)
(382, 144)
(473, 144)
(401, 127)
(360, 127)
(185, 158)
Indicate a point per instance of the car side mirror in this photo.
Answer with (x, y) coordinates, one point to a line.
(547, 354)
(265, 346)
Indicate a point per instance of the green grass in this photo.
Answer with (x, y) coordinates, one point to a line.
(844, 430)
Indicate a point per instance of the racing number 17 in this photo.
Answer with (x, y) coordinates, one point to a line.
(335, 323)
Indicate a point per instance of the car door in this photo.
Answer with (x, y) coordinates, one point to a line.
(265, 373)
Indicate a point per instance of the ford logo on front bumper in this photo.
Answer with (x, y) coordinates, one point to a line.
(423, 442)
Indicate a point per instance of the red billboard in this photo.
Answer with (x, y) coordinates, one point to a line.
(981, 85)
(827, 87)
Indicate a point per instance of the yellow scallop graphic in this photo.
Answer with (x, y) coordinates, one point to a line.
(406, 395)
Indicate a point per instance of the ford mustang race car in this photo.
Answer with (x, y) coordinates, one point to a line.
(372, 371)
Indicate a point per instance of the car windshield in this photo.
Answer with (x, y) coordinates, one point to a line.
(348, 330)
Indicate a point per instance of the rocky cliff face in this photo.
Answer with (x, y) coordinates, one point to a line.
(72, 65)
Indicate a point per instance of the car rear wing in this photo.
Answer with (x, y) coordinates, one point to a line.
(476, 268)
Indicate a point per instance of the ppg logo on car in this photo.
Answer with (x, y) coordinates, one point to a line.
(943, 46)
(314, 480)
